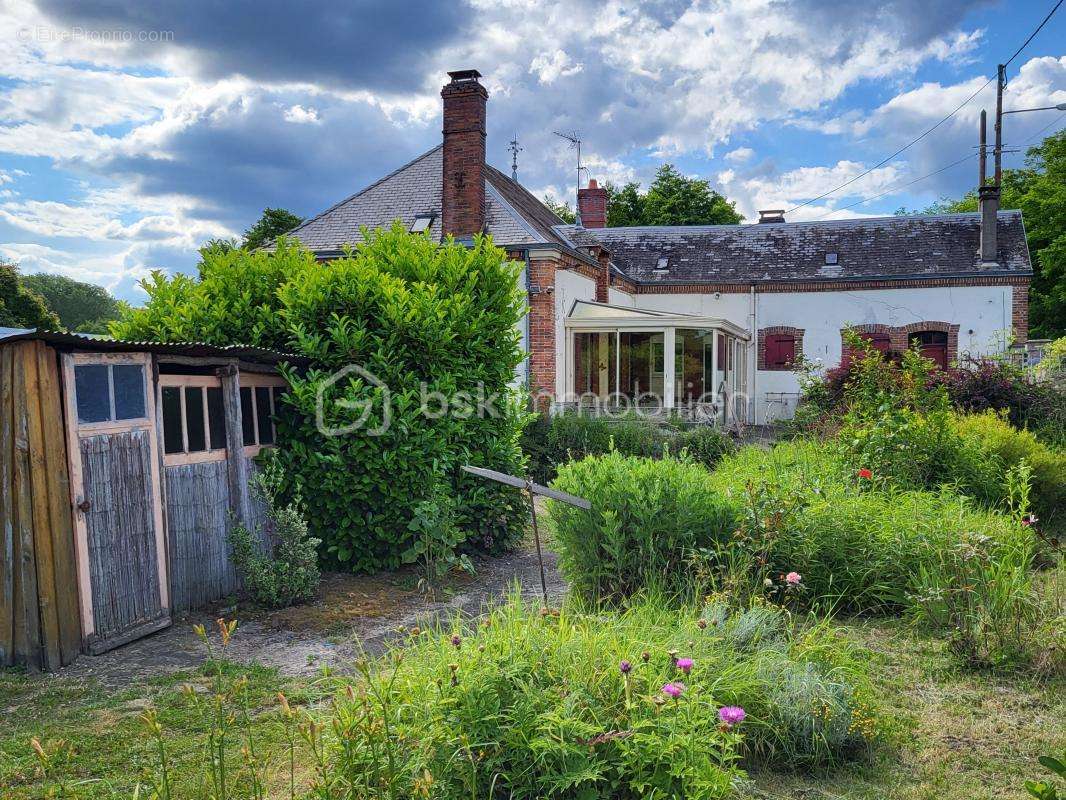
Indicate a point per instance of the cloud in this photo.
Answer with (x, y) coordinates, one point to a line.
(740, 155)
(300, 115)
(549, 67)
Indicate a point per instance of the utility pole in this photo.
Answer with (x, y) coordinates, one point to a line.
(515, 150)
(982, 151)
(1001, 79)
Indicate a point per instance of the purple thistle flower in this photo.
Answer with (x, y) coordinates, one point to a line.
(731, 715)
(457, 640)
(625, 666)
(674, 689)
(685, 665)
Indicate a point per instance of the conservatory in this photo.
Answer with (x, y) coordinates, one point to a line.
(620, 359)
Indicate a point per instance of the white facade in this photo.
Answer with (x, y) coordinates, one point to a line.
(983, 314)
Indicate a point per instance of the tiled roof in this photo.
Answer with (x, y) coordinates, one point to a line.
(865, 248)
(513, 216)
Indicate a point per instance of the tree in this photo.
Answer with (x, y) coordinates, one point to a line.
(561, 209)
(19, 306)
(81, 307)
(674, 199)
(625, 206)
(1039, 190)
(274, 223)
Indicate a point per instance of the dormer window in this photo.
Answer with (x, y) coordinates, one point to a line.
(663, 264)
(421, 223)
(831, 259)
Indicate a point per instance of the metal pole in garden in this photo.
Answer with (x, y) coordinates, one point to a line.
(532, 489)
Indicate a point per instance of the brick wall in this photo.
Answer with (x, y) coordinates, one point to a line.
(542, 329)
(899, 337)
(1020, 312)
(463, 198)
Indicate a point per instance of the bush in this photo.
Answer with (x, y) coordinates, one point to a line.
(288, 572)
(703, 444)
(647, 518)
(1007, 445)
(427, 320)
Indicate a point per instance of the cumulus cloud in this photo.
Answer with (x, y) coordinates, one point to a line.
(740, 156)
(549, 67)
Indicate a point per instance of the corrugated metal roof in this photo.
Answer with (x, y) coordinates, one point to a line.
(96, 342)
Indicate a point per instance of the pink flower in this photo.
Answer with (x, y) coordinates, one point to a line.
(1029, 519)
(793, 579)
(731, 715)
(685, 665)
(865, 474)
(674, 689)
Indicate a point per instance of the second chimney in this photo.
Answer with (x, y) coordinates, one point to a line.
(772, 215)
(592, 205)
(463, 190)
(988, 206)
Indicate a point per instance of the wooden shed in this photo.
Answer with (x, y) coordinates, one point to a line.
(122, 467)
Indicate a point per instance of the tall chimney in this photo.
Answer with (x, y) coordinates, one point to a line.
(988, 206)
(592, 205)
(463, 195)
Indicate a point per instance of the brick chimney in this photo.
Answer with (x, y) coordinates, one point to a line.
(988, 206)
(463, 196)
(592, 205)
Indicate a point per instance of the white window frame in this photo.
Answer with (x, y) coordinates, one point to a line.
(185, 457)
(252, 380)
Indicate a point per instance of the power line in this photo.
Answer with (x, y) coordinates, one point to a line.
(934, 127)
(1053, 122)
(895, 189)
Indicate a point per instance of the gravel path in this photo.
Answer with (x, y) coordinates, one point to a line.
(354, 615)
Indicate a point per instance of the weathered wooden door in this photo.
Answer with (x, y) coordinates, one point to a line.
(115, 487)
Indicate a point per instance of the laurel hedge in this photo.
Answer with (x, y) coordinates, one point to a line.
(426, 320)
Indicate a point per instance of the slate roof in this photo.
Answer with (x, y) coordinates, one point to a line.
(866, 248)
(513, 216)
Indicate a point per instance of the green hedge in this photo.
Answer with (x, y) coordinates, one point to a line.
(426, 320)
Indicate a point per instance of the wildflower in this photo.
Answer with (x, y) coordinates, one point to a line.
(865, 474)
(685, 665)
(731, 715)
(1029, 519)
(645, 656)
(625, 667)
(284, 702)
(457, 640)
(673, 657)
(767, 583)
(701, 624)
(793, 579)
(674, 690)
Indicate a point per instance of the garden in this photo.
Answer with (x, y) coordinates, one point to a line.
(875, 606)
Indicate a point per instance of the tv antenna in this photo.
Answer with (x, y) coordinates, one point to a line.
(515, 150)
(575, 143)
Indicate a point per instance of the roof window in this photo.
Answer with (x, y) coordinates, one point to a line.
(831, 259)
(421, 223)
(663, 264)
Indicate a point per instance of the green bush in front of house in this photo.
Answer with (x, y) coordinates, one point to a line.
(423, 321)
(647, 518)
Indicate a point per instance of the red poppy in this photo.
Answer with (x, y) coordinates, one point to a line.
(865, 473)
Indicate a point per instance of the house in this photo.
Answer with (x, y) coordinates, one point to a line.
(708, 320)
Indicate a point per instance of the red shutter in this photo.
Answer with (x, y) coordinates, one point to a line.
(780, 351)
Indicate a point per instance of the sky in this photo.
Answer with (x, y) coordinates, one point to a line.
(132, 132)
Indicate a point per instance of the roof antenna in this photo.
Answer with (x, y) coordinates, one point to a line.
(575, 142)
(515, 150)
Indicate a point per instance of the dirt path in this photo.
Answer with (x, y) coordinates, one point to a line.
(354, 615)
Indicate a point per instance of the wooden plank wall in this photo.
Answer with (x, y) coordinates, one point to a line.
(39, 619)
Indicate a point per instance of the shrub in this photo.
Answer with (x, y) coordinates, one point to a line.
(287, 572)
(647, 517)
(427, 320)
(703, 444)
(991, 433)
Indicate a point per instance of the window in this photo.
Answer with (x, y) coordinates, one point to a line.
(109, 392)
(831, 259)
(194, 418)
(260, 404)
(933, 345)
(663, 264)
(421, 223)
(880, 341)
(780, 351)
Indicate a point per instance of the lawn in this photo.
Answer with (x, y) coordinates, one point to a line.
(955, 733)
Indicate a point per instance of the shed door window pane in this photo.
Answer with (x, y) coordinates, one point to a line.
(173, 441)
(216, 418)
(129, 391)
(194, 418)
(247, 418)
(263, 412)
(91, 385)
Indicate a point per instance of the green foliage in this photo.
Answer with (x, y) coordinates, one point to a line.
(288, 572)
(647, 518)
(1008, 448)
(435, 539)
(1043, 790)
(625, 206)
(426, 320)
(672, 199)
(704, 444)
(561, 209)
(275, 222)
(21, 307)
(81, 307)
